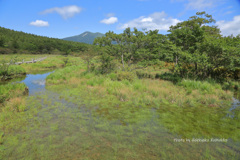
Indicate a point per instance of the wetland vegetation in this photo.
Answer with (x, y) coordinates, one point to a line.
(135, 95)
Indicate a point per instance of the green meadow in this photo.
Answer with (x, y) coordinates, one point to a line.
(87, 115)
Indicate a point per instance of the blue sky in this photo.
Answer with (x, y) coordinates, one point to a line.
(64, 18)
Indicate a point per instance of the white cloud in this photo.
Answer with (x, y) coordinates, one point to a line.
(110, 15)
(39, 23)
(157, 20)
(230, 27)
(66, 12)
(199, 4)
(228, 12)
(149, 19)
(110, 20)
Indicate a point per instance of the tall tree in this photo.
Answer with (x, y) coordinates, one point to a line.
(191, 36)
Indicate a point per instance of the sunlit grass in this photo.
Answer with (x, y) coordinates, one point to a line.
(51, 62)
(124, 96)
(87, 116)
(21, 57)
(8, 91)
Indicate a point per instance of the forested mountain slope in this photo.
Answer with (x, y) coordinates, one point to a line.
(19, 42)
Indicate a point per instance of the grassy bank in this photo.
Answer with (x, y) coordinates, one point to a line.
(13, 71)
(50, 63)
(12, 104)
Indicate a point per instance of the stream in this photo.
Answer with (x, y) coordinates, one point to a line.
(67, 128)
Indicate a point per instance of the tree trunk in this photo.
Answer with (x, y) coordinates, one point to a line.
(196, 68)
(122, 61)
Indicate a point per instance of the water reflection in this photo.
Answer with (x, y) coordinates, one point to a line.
(35, 82)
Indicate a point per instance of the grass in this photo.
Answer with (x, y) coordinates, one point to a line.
(187, 92)
(12, 72)
(9, 91)
(12, 97)
(71, 130)
(16, 70)
(52, 62)
(131, 103)
(204, 87)
(21, 57)
(49, 63)
(198, 104)
(87, 116)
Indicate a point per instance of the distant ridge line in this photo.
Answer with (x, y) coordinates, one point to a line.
(85, 37)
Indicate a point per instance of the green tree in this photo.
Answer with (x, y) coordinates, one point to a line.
(192, 36)
(15, 44)
(89, 56)
(4, 67)
(2, 42)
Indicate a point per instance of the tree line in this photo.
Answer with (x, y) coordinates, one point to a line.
(13, 41)
(195, 46)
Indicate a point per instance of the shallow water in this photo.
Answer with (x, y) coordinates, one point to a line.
(66, 127)
(35, 82)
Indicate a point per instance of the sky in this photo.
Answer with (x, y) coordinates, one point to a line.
(65, 18)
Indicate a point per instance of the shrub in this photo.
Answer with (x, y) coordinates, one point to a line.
(231, 85)
(113, 76)
(107, 64)
(170, 77)
(130, 76)
(155, 62)
(141, 74)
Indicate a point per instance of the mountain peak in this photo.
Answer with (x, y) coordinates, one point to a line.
(86, 33)
(85, 37)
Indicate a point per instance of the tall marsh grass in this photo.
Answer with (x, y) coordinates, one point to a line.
(11, 72)
(11, 90)
(202, 86)
(15, 69)
(184, 93)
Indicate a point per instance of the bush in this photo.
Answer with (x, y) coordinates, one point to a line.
(169, 77)
(113, 76)
(107, 64)
(155, 62)
(231, 85)
(130, 76)
(142, 74)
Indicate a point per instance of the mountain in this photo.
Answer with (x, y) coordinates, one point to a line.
(86, 37)
(19, 42)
